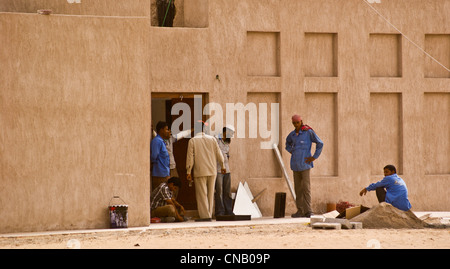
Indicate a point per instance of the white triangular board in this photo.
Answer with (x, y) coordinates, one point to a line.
(249, 192)
(257, 209)
(243, 204)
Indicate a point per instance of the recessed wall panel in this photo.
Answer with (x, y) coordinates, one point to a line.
(438, 46)
(263, 54)
(320, 58)
(385, 55)
(386, 132)
(262, 162)
(436, 138)
(321, 115)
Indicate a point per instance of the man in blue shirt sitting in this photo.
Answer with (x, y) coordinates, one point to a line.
(396, 192)
(159, 156)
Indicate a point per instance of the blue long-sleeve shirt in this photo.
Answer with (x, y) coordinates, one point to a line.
(159, 157)
(299, 145)
(396, 191)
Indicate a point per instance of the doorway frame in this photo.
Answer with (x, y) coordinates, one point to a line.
(178, 95)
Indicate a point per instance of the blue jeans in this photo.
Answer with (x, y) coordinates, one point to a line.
(222, 195)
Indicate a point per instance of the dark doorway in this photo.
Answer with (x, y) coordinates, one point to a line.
(162, 104)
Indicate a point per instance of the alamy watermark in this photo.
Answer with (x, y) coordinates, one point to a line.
(257, 119)
(373, 244)
(73, 244)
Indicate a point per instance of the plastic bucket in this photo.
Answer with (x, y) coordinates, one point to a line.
(118, 214)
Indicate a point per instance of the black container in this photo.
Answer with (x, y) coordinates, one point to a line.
(280, 205)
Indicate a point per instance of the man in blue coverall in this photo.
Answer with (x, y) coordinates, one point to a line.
(396, 192)
(159, 156)
(299, 143)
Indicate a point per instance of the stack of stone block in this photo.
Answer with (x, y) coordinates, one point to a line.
(320, 222)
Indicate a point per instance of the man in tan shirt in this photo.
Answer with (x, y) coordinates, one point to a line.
(203, 154)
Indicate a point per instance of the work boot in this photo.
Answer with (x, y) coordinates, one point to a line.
(308, 215)
(297, 215)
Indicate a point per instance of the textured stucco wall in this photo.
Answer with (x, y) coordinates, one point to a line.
(335, 64)
(76, 90)
(80, 7)
(75, 120)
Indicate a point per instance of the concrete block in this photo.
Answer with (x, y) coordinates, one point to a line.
(315, 219)
(323, 225)
(344, 222)
(356, 225)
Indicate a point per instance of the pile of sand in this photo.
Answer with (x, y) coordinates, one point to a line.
(385, 215)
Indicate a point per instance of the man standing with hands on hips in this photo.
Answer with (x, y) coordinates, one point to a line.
(299, 143)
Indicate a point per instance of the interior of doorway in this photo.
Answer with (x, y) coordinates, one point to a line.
(161, 111)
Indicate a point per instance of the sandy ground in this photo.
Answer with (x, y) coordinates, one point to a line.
(268, 236)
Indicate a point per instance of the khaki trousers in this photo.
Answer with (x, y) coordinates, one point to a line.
(164, 211)
(204, 193)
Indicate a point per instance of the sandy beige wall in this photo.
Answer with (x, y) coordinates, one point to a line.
(75, 117)
(353, 77)
(328, 71)
(371, 95)
(80, 7)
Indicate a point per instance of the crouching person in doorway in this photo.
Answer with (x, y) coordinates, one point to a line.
(163, 203)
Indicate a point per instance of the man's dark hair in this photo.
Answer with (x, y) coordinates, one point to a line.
(176, 181)
(390, 167)
(226, 139)
(161, 125)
